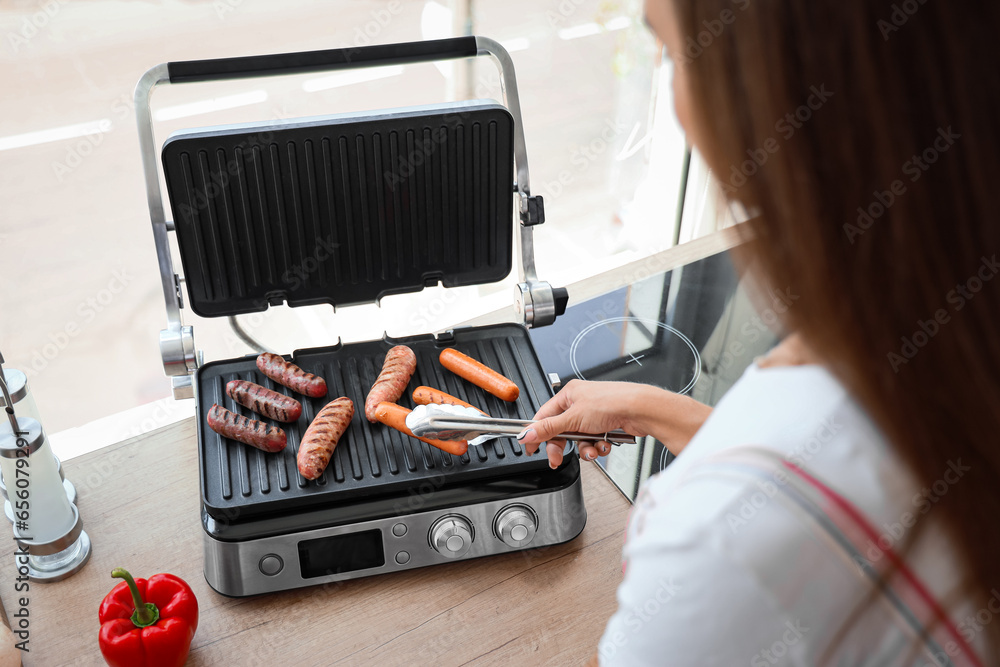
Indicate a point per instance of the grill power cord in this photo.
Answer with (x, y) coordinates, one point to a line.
(247, 337)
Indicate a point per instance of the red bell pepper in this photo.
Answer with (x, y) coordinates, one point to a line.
(148, 623)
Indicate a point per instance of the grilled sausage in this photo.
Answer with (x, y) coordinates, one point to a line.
(248, 431)
(482, 376)
(322, 436)
(263, 401)
(429, 395)
(399, 365)
(288, 374)
(394, 416)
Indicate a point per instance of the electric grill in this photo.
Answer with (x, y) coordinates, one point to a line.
(345, 209)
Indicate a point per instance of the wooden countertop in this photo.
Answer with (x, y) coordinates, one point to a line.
(140, 506)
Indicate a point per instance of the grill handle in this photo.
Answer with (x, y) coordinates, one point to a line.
(193, 71)
(177, 348)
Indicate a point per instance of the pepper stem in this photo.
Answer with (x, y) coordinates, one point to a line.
(145, 613)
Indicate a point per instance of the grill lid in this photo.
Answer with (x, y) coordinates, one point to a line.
(342, 209)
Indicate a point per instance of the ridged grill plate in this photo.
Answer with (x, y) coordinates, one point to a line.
(342, 209)
(240, 482)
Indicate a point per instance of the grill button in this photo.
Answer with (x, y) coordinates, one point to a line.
(271, 565)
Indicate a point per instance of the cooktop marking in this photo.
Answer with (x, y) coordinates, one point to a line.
(635, 359)
(663, 458)
(650, 323)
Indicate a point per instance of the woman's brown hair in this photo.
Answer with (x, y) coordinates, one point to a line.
(866, 135)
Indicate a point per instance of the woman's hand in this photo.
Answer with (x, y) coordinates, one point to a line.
(599, 407)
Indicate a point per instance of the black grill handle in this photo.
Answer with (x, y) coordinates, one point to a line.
(193, 71)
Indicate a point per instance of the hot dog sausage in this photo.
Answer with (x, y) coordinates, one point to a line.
(428, 395)
(322, 436)
(248, 431)
(288, 374)
(394, 416)
(399, 365)
(482, 376)
(263, 401)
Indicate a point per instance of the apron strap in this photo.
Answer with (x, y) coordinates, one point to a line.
(851, 529)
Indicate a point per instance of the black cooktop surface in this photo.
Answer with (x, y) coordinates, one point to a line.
(691, 330)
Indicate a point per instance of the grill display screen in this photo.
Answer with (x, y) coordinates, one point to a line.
(341, 553)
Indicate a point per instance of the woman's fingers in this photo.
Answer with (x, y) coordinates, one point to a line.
(529, 439)
(555, 453)
(554, 406)
(532, 440)
(543, 430)
(591, 450)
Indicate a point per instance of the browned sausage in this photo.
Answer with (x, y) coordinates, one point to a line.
(263, 401)
(248, 431)
(322, 436)
(482, 376)
(400, 362)
(394, 416)
(429, 395)
(288, 374)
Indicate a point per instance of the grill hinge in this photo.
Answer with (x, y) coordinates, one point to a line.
(532, 210)
(177, 289)
(540, 303)
(446, 337)
(183, 387)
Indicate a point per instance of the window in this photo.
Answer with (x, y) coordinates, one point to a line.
(82, 303)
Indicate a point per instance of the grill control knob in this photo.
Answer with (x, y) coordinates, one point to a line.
(515, 525)
(451, 536)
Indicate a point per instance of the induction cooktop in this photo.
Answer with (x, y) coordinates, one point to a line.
(692, 330)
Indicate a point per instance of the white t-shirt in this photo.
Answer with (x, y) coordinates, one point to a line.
(723, 566)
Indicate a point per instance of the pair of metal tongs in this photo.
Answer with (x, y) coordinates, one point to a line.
(453, 422)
